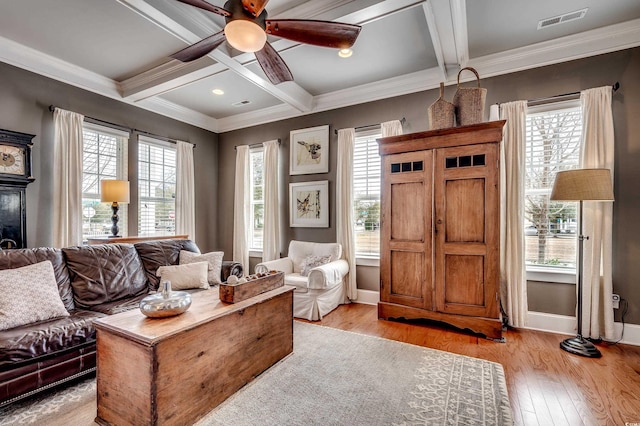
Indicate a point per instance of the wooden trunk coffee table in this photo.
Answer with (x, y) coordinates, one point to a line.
(174, 370)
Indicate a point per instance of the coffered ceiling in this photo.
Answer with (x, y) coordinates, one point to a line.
(121, 49)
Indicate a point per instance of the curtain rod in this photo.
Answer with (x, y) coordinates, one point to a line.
(123, 128)
(373, 126)
(255, 145)
(615, 88)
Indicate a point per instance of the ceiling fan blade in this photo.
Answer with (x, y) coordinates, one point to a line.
(199, 49)
(255, 7)
(202, 4)
(318, 33)
(273, 65)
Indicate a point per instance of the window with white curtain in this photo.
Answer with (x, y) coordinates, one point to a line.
(156, 187)
(553, 144)
(256, 231)
(367, 174)
(104, 156)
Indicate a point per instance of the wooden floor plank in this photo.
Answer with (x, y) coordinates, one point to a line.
(546, 385)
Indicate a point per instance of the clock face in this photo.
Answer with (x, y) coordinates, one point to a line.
(11, 160)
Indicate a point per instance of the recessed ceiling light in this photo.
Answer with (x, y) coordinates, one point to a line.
(345, 53)
(217, 92)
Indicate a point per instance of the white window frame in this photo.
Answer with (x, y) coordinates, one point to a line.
(367, 259)
(165, 145)
(255, 250)
(121, 173)
(541, 273)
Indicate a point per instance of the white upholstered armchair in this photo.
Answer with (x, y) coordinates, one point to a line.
(317, 271)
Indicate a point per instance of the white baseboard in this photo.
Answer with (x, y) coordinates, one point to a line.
(563, 324)
(368, 297)
(540, 321)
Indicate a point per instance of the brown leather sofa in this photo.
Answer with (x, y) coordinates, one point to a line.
(93, 281)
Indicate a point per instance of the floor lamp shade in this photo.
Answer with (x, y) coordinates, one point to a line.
(114, 192)
(582, 185)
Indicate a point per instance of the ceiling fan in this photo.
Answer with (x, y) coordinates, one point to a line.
(247, 27)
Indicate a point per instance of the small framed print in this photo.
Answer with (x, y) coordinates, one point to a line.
(309, 204)
(309, 150)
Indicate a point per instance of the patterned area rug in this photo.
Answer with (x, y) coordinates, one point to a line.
(332, 378)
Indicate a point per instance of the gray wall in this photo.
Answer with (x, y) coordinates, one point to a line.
(24, 101)
(623, 67)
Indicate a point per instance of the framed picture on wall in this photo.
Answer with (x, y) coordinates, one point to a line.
(309, 204)
(309, 150)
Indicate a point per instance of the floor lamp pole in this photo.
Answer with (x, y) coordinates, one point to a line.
(579, 345)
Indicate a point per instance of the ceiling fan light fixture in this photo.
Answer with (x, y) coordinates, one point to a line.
(246, 36)
(345, 53)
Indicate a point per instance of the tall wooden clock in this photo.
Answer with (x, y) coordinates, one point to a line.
(15, 175)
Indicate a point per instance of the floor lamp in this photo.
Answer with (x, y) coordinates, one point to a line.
(582, 185)
(114, 192)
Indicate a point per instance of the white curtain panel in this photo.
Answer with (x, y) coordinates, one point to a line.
(67, 184)
(391, 128)
(597, 152)
(344, 208)
(241, 207)
(271, 232)
(513, 280)
(185, 191)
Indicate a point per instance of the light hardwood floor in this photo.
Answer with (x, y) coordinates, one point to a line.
(547, 386)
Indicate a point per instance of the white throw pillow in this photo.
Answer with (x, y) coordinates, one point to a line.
(311, 262)
(29, 294)
(183, 277)
(215, 262)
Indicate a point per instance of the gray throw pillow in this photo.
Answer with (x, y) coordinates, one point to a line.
(29, 294)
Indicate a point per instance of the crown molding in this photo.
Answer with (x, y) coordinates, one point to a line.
(255, 118)
(40, 63)
(589, 43)
(180, 113)
(396, 86)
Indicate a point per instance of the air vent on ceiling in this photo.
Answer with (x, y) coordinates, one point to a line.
(562, 19)
(241, 103)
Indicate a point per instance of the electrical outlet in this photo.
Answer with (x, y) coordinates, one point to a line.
(616, 301)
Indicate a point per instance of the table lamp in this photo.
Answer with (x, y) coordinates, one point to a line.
(582, 185)
(114, 192)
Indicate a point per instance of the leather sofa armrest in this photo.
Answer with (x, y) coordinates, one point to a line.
(285, 265)
(231, 267)
(328, 275)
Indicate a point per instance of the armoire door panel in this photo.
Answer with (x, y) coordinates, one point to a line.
(406, 274)
(464, 210)
(464, 281)
(407, 211)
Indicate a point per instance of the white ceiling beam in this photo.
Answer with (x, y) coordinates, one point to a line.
(459, 20)
(432, 26)
(440, 21)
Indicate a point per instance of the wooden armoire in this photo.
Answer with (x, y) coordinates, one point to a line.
(440, 227)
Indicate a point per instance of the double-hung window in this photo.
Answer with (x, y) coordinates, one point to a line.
(156, 187)
(366, 194)
(104, 156)
(256, 167)
(553, 133)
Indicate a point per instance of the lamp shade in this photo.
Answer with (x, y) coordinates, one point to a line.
(583, 184)
(114, 191)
